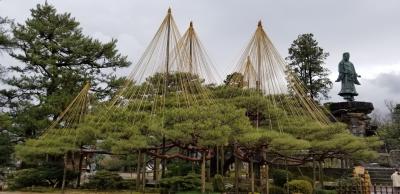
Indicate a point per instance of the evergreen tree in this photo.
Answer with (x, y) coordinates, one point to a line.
(390, 130)
(306, 59)
(5, 39)
(6, 148)
(58, 59)
(235, 80)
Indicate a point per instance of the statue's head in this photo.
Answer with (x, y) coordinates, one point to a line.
(346, 56)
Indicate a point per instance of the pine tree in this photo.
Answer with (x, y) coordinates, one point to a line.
(306, 59)
(5, 39)
(58, 59)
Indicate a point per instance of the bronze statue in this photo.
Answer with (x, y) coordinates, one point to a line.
(348, 77)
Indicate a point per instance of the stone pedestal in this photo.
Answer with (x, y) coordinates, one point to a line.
(355, 115)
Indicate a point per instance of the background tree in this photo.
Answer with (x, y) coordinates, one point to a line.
(389, 130)
(6, 148)
(58, 59)
(306, 59)
(5, 39)
(235, 79)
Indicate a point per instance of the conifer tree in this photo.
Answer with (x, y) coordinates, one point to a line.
(57, 60)
(306, 59)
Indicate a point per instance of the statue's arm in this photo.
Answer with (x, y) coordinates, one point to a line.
(355, 75)
(340, 77)
(356, 80)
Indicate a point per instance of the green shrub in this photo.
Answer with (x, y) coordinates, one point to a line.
(111, 163)
(105, 180)
(348, 181)
(322, 191)
(276, 190)
(47, 176)
(190, 182)
(299, 186)
(306, 178)
(244, 187)
(179, 168)
(6, 149)
(218, 183)
(280, 176)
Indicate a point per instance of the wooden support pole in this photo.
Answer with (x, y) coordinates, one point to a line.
(252, 174)
(138, 170)
(143, 172)
(222, 160)
(64, 173)
(314, 173)
(267, 178)
(321, 174)
(237, 169)
(78, 182)
(203, 172)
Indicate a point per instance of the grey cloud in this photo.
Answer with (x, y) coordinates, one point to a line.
(388, 81)
(368, 29)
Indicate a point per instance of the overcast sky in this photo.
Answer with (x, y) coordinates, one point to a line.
(368, 29)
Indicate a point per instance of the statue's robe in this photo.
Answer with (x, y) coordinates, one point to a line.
(348, 77)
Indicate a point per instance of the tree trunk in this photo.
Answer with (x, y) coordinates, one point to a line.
(222, 160)
(143, 172)
(321, 174)
(236, 174)
(208, 170)
(287, 174)
(217, 158)
(78, 182)
(252, 175)
(163, 161)
(64, 173)
(203, 173)
(156, 167)
(314, 173)
(267, 178)
(138, 170)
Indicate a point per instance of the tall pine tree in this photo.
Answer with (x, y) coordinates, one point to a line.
(57, 61)
(306, 59)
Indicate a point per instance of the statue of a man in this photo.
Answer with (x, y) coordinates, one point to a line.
(348, 77)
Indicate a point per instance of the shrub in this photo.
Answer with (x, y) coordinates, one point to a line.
(179, 168)
(348, 181)
(322, 191)
(280, 176)
(111, 163)
(306, 178)
(49, 175)
(218, 183)
(104, 180)
(189, 182)
(276, 190)
(299, 186)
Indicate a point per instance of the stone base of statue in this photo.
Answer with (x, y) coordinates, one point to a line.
(355, 115)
